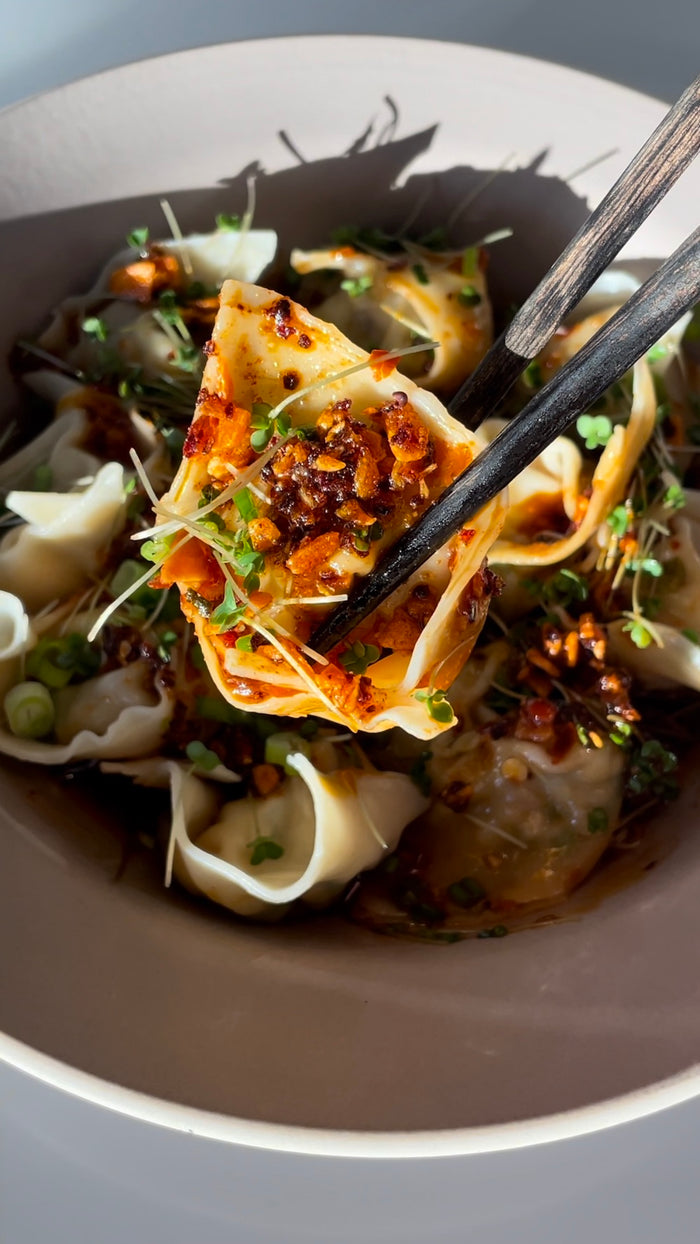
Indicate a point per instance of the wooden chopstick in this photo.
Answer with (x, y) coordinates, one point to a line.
(652, 172)
(653, 309)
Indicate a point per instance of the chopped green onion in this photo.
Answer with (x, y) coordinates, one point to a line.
(30, 710)
(244, 643)
(157, 548)
(57, 661)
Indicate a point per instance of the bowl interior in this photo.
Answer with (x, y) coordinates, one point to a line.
(318, 1023)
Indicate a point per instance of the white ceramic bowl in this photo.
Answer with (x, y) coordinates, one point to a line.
(320, 1037)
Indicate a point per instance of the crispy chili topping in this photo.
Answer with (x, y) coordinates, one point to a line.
(304, 341)
(281, 313)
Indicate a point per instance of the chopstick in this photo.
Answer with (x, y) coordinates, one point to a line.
(637, 326)
(656, 166)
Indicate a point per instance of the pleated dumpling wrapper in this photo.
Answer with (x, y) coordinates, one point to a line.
(324, 828)
(305, 460)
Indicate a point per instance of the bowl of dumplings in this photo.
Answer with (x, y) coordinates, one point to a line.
(380, 889)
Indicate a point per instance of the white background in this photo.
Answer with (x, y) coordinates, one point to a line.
(73, 1174)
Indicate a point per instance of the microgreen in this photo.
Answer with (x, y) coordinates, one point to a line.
(564, 588)
(264, 849)
(201, 756)
(244, 643)
(532, 376)
(639, 634)
(657, 353)
(597, 821)
(157, 548)
(469, 296)
(96, 328)
(355, 286)
(647, 565)
(674, 498)
(437, 704)
(229, 613)
(266, 426)
(138, 238)
(359, 657)
(166, 643)
(651, 771)
(467, 892)
(620, 733)
(245, 505)
(229, 222)
(619, 520)
(594, 430)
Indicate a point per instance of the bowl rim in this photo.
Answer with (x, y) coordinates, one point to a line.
(323, 1142)
(314, 1141)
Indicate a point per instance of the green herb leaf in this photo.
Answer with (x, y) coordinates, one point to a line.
(166, 643)
(229, 613)
(652, 771)
(594, 430)
(260, 439)
(657, 353)
(597, 821)
(638, 633)
(674, 498)
(245, 505)
(469, 296)
(437, 704)
(648, 565)
(467, 892)
(43, 478)
(355, 286)
(420, 274)
(94, 327)
(564, 587)
(227, 221)
(244, 643)
(187, 357)
(619, 520)
(264, 849)
(359, 657)
(201, 756)
(138, 238)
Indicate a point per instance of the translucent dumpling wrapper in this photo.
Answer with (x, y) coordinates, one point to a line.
(59, 546)
(509, 829)
(140, 336)
(329, 826)
(672, 655)
(390, 302)
(554, 493)
(301, 516)
(121, 713)
(88, 427)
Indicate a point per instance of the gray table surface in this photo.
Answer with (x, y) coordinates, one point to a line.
(70, 1172)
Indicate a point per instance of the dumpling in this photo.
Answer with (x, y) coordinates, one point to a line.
(59, 545)
(274, 512)
(144, 338)
(303, 842)
(390, 303)
(122, 712)
(553, 496)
